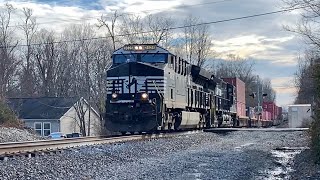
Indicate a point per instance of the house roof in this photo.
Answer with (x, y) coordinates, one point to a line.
(41, 108)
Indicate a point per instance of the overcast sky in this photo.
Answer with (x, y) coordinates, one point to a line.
(261, 39)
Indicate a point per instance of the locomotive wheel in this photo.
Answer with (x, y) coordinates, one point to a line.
(123, 133)
(207, 121)
(169, 126)
(220, 121)
(177, 121)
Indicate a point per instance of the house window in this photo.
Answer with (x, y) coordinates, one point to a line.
(46, 128)
(38, 128)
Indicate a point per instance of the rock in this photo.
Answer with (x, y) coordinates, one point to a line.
(198, 156)
(15, 135)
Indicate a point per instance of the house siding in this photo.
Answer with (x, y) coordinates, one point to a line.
(70, 122)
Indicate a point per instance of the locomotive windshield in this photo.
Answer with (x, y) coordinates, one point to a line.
(153, 58)
(140, 57)
(122, 58)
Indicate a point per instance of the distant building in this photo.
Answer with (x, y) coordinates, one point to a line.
(56, 114)
(299, 115)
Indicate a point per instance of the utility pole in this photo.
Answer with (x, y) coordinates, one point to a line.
(258, 91)
(258, 97)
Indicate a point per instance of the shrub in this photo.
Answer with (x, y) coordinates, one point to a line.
(315, 138)
(7, 117)
(315, 125)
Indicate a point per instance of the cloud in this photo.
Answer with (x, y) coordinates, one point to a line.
(257, 47)
(283, 81)
(55, 17)
(285, 90)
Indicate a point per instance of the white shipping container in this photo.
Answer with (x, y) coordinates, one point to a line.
(299, 115)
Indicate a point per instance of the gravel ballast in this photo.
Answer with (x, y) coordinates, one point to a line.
(9, 134)
(235, 155)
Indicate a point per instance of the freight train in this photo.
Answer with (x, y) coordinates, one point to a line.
(150, 89)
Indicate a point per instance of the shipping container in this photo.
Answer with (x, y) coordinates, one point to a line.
(280, 116)
(240, 90)
(270, 107)
(299, 115)
(276, 112)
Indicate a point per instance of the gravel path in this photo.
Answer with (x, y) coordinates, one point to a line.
(14, 135)
(236, 155)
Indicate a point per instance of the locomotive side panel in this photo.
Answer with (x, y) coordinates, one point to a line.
(175, 72)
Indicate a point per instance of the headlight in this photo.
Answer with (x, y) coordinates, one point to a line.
(144, 96)
(114, 95)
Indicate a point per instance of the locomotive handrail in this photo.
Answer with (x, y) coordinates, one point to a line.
(155, 85)
(162, 104)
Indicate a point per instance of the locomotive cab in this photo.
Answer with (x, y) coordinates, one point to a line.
(135, 87)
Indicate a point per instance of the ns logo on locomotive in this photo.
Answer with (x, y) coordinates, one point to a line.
(149, 88)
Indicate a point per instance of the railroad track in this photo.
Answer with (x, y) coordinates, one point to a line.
(32, 148)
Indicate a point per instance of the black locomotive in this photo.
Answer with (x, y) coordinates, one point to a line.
(151, 89)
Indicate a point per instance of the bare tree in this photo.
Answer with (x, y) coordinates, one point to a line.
(100, 65)
(8, 60)
(45, 55)
(153, 29)
(304, 79)
(203, 45)
(266, 88)
(27, 78)
(190, 38)
(159, 29)
(309, 23)
(197, 41)
(81, 110)
(132, 26)
(111, 27)
(235, 66)
(309, 28)
(310, 70)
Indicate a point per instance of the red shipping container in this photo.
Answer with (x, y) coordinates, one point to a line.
(280, 112)
(240, 89)
(263, 116)
(268, 115)
(270, 107)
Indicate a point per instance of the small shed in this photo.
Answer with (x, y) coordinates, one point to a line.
(57, 114)
(299, 115)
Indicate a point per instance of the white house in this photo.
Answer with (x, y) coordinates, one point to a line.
(56, 114)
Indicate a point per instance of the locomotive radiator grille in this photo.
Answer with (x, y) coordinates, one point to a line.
(121, 84)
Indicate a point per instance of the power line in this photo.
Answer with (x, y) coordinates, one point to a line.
(145, 11)
(166, 29)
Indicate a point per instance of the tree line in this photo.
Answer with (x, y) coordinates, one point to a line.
(307, 77)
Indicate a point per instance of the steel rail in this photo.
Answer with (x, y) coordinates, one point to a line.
(46, 140)
(29, 147)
